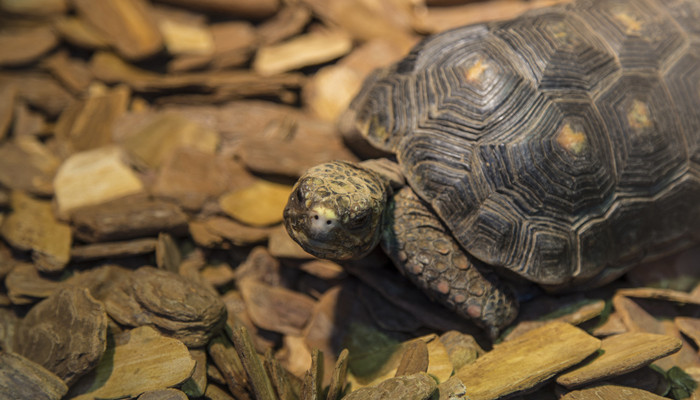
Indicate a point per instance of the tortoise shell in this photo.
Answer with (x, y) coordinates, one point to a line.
(559, 145)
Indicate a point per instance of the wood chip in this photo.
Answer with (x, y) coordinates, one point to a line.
(257, 376)
(690, 327)
(27, 165)
(289, 147)
(120, 249)
(313, 379)
(184, 33)
(8, 94)
(276, 308)
(260, 204)
(527, 361)
(127, 25)
(302, 51)
(610, 392)
(439, 19)
(226, 359)
(420, 386)
(177, 306)
(126, 219)
(234, 43)
(163, 394)
(660, 294)
(196, 385)
(25, 285)
(235, 232)
(191, 177)
(461, 348)
(329, 92)
(34, 8)
(72, 72)
(32, 226)
(87, 124)
(225, 85)
(141, 360)
(80, 33)
(66, 333)
(21, 378)
(414, 359)
(40, 91)
(164, 134)
(94, 177)
(338, 376)
(255, 9)
(621, 354)
(23, 46)
(289, 21)
(283, 246)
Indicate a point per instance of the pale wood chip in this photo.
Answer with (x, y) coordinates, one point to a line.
(621, 354)
(126, 24)
(141, 360)
(527, 361)
(302, 51)
(237, 233)
(164, 394)
(94, 177)
(439, 19)
(660, 294)
(260, 204)
(610, 392)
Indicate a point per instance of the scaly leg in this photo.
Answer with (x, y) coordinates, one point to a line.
(423, 250)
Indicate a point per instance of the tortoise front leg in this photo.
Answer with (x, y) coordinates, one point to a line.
(425, 252)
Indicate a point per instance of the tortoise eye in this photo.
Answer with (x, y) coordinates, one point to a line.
(300, 195)
(359, 222)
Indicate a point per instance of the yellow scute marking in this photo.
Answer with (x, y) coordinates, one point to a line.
(572, 140)
(475, 72)
(632, 25)
(638, 116)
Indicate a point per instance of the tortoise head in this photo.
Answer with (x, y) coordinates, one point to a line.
(336, 210)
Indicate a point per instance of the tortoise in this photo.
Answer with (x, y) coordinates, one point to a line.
(561, 148)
